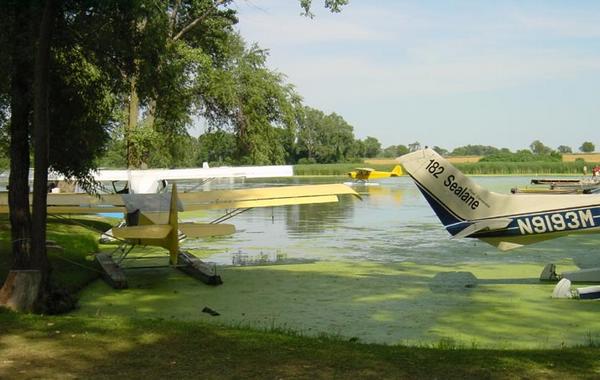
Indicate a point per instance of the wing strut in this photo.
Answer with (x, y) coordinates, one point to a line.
(230, 214)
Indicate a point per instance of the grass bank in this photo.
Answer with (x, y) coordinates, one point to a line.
(73, 266)
(477, 168)
(336, 169)
(520, 168)
(65, 347)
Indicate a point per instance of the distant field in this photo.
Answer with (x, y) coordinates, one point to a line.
(380, 161)
(453, 159)
(587, 157)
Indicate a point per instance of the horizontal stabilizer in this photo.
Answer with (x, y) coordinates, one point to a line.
(199, 230)
(483, 225)
(142, 232)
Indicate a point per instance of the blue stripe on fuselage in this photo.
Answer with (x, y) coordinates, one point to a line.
(444, 214)
(547, 222)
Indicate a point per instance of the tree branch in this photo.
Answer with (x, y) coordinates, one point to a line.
(194, 23)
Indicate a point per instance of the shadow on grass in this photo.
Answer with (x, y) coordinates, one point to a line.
(88, 348)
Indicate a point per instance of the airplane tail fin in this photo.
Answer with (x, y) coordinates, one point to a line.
(397, 171)
(453, 196)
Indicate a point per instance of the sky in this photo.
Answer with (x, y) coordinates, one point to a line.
(445, 73)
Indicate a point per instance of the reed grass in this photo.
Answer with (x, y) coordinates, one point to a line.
(477, 168)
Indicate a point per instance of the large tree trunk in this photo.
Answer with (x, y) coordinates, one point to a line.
(18, 194)
(133, 112)
(29, 290)
(39, 259)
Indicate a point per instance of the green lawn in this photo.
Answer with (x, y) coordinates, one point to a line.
(66, 347)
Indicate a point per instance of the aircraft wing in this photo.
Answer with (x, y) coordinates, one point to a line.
(220, 199)
(75, 203)
(264, 197)
(225, 171)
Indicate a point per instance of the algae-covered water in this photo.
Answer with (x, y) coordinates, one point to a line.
(378, 270)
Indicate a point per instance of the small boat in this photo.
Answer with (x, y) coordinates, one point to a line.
(588, 185)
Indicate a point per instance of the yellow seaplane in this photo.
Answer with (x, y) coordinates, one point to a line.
(152, 219)
(363, 175)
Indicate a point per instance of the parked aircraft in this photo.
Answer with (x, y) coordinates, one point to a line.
(506, 221)
(144, 181)
(152, 219)
(366, 174)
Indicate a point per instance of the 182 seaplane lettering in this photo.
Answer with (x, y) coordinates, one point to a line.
(506, 221)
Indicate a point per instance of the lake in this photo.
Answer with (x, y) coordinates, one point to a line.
(378, 270)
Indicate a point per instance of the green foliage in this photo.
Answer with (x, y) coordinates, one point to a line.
(216, 148)
(372, 147)
(80, 126)
(440, 151)
(256, 101)
(394, 151)
(325, 138)
(564, 149)
(334, 6)
(522, 156)
(522, 167)
(587, 147)
(537, 147)
(477, 150)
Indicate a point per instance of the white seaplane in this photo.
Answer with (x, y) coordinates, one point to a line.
(506, 221)
(152, 219)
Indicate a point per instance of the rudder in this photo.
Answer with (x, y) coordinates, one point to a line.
(453, 196)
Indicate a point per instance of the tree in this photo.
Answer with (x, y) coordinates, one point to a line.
(218, 147)
(395, 151)
(177, 39)
(564, 149)
(254, 100)
(537, 147)
(372, 147)
(587, 147)
(440, 151)
(334, 6)
(35, 106)
(475, 150)
(326, 138)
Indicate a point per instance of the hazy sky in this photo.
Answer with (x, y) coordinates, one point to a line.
(446, 73)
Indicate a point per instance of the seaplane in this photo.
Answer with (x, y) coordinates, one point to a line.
(506, 221)
(363, 175)
(152, 219)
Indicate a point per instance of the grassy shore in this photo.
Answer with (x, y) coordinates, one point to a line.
(98, 347)
(65, 347)
(478, 168)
